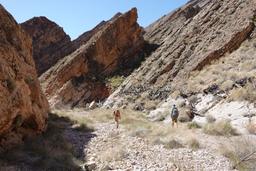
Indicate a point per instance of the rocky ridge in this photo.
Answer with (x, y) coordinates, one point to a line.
(50, 42)
(112, 46)
(24, 108)
(189, 39)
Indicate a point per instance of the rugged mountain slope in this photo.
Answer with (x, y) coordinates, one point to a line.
(189, 39)
(50, 42)
(24, 108)
(79, 77)
(82, 39)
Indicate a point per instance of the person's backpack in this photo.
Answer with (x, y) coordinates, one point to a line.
(175, 112)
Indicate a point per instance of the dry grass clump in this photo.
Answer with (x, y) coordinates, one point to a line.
(193, 144)
(140, 132)
(241, 152)
(173, 144)
(168, 143)
(244, 93)
(116, 153)
(151, 104)
(226, 85)
(221, 128)
(193, 125)
(210, 119)
(251, 127)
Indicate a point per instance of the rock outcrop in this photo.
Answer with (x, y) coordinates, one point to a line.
(24, 108)
(112, 46)
(193, 36)
(50, 42)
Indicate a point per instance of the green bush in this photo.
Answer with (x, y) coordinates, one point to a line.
(115, 81)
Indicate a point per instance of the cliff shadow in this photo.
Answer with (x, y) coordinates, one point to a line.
(60, 147)
(126, 67)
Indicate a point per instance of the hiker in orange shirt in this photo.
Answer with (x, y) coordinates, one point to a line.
(117, 117)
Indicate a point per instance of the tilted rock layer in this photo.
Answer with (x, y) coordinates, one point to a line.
(23, 109)
(50, 42)
(189, 39)
(110, 47)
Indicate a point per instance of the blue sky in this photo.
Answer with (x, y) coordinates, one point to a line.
(78, 16)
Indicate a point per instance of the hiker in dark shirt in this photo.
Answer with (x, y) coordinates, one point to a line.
(174, 115)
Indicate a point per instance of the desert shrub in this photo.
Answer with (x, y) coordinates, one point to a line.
(140, 132)
(115, 81)
(226, 85)
(193, 99)
(251, 127)
(168, 143)
(210, 119)
(150, 104)
(241, 152)
(222, 128)
(194, 144)
(244, 93)
(116, 153)
(173, 144)
(193, 125)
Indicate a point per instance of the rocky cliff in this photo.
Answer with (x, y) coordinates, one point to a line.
(190, 38)
(24, 109)
(50, 42)
(112, 46)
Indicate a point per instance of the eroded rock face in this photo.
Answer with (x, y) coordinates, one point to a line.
(24, 108)
(190, 38)
(79, 77)
(50, 42)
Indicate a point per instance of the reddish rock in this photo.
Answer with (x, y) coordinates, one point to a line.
(79, 77)
(24, 108)
(50, 42)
